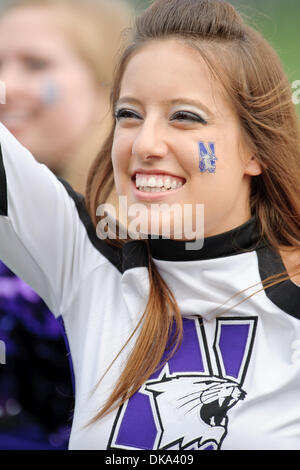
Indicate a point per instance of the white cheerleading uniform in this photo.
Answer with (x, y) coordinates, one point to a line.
(234, 383)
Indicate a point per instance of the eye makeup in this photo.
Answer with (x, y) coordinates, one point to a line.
(125, 113)
(183, 116)
(207, 157)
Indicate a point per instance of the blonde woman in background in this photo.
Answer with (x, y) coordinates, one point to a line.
(56, 61)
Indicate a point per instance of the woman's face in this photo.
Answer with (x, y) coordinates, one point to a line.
(51, 95)
(174, 127)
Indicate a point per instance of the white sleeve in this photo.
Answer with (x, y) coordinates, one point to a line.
(42, 238)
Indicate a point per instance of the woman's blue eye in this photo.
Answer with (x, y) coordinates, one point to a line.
(125, 114)
(187, 116)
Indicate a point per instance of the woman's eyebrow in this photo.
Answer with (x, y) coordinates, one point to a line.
(176, 101)
(128, 99)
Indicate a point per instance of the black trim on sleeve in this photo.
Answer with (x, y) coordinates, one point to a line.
(286, 294)
(3, 187)
(113, 254)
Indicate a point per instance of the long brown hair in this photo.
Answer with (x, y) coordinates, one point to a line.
(251, 73)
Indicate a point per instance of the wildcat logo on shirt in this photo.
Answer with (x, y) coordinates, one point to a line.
(186, 404)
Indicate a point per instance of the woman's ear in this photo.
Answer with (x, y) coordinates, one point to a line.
(253, 167)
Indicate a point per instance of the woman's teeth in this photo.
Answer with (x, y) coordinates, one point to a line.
(157, 183)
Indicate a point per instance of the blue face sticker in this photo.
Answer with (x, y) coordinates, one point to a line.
(207, 157)
(50, 92)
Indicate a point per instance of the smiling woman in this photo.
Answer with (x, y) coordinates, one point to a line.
(157, 132)
(175, 348)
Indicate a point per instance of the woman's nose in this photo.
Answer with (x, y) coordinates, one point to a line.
(150, 141)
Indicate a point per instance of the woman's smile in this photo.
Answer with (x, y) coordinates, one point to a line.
(177, 140)
(154, 184)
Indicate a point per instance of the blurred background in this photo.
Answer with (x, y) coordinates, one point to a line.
(46, 64)
(278, 21)
(56, 61)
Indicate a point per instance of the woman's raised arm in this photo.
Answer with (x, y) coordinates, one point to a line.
(42, 238)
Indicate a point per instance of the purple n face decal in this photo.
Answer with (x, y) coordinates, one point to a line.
(185, 404)
(207, 157)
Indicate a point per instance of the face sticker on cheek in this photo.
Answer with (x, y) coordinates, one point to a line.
(50, 92)
(207, 157)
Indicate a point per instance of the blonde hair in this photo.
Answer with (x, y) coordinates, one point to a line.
(251, 73)
(94, 29)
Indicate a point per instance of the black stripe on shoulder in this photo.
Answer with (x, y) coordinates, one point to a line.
(3, 187)
(286, 294)
(113, 254)
(135, 255)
